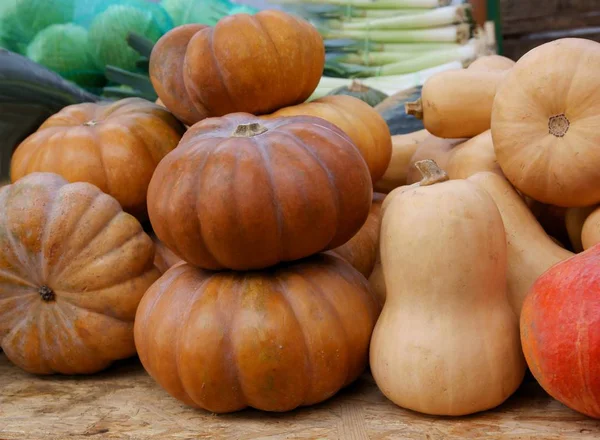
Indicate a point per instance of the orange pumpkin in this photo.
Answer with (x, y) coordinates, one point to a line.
(273, 340)
(243, 193)
(73, 268)
(115, 146)
(363, 124)
(361, 250)
(246, 63)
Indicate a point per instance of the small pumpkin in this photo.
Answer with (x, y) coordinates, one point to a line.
(553, 158)
(73, 269)
(273, 340)
(359, 121)
(361, 91)
(446, 343)
(362, 249)
(112, 145)
(246, 193)
(590, 233)
(560, 332)
(246, 63)
(575, 219)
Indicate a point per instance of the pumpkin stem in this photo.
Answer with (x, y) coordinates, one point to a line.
(357, 87)
(431, 172)
(249, 130)
(46, 293)
(558, 125)
(414, 108)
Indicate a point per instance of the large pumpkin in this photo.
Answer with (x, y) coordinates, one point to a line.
(560, 331)
(358, 120)
(273, 340)
(545, 122)
(246, 63)
(73, 268)
(114, 145)
(243, 193)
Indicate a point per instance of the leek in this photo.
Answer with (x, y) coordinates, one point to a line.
(434, 18)
(448, 34)
(370, 58)
(373, 4)
(346, 45)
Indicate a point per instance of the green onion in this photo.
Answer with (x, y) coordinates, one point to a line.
(434, 18)
(373, 4)
(371, 58)
(448, 34)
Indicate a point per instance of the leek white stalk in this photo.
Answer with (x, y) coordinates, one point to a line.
(434, 18)
(373, 4)
(447, 34)
(379, 13)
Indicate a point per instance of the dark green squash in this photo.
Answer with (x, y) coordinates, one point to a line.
(358, 90)
(392, 111)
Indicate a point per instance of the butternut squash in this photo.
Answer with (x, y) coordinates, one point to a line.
(447, 341)
(492, 62)
(545, 123)
(473, 156)
(403, 148)
(433, 148)
(574, 221)
(530, 250)
(457, 103)
(590, 233)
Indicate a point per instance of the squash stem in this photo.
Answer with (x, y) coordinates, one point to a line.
(414, 108)
(431, 172)
(249, 130)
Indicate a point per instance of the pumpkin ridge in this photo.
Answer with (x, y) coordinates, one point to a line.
(269, 38)
(219, 73)
(6, 274)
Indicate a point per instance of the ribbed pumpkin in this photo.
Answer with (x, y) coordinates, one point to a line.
(358, 120)
(273, 340)
(244, 193)
(246, 63)
(73, 269)
(114, 145)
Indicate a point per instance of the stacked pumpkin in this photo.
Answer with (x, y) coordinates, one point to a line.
(509, 152)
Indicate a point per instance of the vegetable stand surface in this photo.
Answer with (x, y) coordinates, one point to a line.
(123, 402)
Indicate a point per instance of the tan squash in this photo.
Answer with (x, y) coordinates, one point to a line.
(447, 341)
(403, 148)
(473, 156)
(433, 148)
(574, 221)
(492, 62)
(530, 250)
(545, 123)
(590, 233)
(457, 103)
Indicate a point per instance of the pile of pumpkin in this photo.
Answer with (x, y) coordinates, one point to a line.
(249, 262)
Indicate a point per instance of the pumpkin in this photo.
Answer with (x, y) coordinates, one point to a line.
(377, 281)
(492, 62)
(361, 250)
(246, 63)
(590, 232)
(392, 111)
(457, 103)
(447, 341)
(73, 269)
(274, 340)
(112, 145)
(164, 258)
(358, 120)
(246, 193)
(359, 90)
(432, 148)
(574, 220)
(560, 332)
(552, 158)
(530, 250)
(472, 156)
(403, 148)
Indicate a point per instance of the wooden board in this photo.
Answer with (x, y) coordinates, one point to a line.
(124, 403)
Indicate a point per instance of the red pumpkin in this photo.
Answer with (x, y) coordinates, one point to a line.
(243, 193)
(112, 145)
(73, 269)
(246, 63)
(560, 331)
(273, 340)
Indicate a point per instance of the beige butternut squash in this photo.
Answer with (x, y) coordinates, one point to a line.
(530, 250)
(574, 220)
(432, 148)
(447, 341)
(403, 148)
(492, 62)
(473, 156)
(590, 233)
(457, 103)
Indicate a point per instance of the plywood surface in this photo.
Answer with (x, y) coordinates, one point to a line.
(124, 403)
